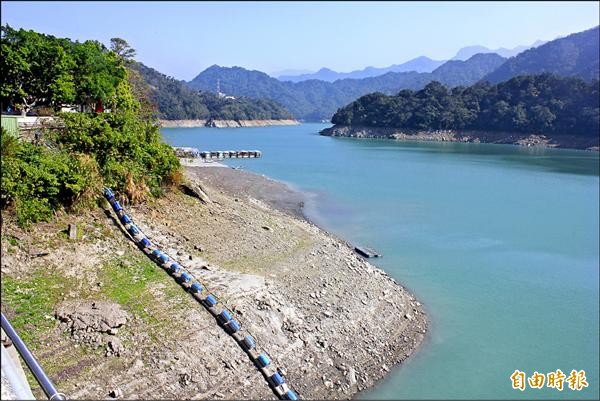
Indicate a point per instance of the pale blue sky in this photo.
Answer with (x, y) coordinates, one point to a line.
(183, 38)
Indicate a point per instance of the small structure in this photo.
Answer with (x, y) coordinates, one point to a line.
(366, 252)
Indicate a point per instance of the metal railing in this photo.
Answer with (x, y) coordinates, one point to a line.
(35, 368)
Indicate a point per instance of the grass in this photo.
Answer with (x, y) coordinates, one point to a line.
(32, 299)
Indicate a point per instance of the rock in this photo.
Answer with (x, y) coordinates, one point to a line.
(72, 231)
(116, 393)
(267, 228)
(409, 316)
(198, 248)
(351, 376)
(116, 346)
(196, 191)
(99, 316)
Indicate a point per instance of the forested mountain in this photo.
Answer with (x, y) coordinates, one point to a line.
(316, 100)
(176, 101)
(419, 64)
(456, 72)
(545, 104)
(574, 55)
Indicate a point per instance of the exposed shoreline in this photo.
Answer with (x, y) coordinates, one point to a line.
(335, 323)
(280, 197)
(224, 123)
(401, 134)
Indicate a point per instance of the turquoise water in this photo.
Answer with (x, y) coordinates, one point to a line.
(500, 243)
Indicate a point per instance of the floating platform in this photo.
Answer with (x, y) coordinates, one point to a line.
(194, 153)
(367, 252)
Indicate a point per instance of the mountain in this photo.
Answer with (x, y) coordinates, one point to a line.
(456, 72)
(469, 51)
(317, 99)
(419, 64)
(574, 55)
(176, 101)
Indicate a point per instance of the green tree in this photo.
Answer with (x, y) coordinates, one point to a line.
(36, 70)
(122, 49)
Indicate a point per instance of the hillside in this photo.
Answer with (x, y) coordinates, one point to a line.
(316, 100)
(535, 104)
(456, 72)
(575, 55)
(176, 101)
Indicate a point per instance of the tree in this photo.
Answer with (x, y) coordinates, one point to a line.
(36, 70)
(122, 49)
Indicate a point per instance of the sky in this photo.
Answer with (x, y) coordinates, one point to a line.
(181, 39)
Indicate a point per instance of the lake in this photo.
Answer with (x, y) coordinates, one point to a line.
(499, 242)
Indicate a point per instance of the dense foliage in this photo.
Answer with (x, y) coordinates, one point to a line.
(316, 100)
(39, 180)
(41, 70)
(176, 101)
(531, 104)
(575, 55)
(121, 148)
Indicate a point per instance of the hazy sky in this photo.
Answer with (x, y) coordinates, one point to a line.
(183, 38)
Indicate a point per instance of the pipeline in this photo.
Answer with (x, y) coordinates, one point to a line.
(44, 381)
(209, 301)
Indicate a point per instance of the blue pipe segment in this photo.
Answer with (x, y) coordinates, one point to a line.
(277, 379)
(39, 374)
(233, 326)
(108, 193)
(210, 300)
(263, 360)
(117, 206)
(196, 287)
(248, 342)
(224, 318)
(133, 230)
(125, 219)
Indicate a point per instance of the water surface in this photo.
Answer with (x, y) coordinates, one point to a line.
(499, 242)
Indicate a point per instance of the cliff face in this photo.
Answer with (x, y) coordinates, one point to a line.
(224, 123)
(403, 134)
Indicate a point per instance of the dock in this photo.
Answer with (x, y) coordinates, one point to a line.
(194, 153)
(367, 252)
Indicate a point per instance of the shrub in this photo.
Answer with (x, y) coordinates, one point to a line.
(37, 180)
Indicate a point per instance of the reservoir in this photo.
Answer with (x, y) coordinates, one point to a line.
(500, 243)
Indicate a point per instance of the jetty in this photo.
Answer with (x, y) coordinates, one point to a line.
(367, 252)
(195, 153)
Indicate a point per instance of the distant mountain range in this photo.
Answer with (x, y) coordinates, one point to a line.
(419, 64)
(469, 51)
(317, 99)
(575, 55)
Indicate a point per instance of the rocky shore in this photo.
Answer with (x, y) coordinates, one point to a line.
(108, 323)
(402, 134)
(224, 123)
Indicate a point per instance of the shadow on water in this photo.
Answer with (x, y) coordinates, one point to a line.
(568, 161)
